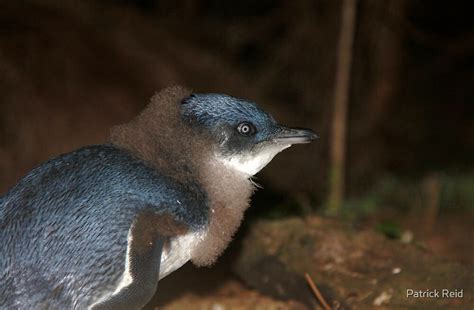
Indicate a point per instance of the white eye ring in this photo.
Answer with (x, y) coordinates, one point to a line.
(246, 129)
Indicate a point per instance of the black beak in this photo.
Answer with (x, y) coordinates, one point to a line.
(287, 135)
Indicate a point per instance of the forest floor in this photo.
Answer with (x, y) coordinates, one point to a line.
(354, 265)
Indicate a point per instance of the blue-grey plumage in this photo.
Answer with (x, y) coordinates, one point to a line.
(97, 228)
(65, 223)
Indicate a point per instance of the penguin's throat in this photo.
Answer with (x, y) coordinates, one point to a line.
(251, 163)
(228, 191)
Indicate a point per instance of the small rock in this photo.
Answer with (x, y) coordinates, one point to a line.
(396, 270)
(382, 299)
(218, 307)
(406, 237)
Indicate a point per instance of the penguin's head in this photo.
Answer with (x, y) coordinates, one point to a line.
(247, 138)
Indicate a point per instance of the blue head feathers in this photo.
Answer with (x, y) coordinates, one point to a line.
(217, 112)
(248, 137)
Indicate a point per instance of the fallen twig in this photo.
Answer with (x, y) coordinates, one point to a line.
(316, 292)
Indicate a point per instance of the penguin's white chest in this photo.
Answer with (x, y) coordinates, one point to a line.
(178, 252)
(174, 255)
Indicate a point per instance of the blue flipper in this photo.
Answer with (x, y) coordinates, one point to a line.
(145, 251)
(145, 271)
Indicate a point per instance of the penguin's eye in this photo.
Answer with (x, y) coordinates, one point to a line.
(246, 129)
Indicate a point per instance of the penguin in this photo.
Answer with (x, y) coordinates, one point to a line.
(98, 227)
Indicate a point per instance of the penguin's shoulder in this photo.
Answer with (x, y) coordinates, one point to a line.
(105, 175)
(135, 180)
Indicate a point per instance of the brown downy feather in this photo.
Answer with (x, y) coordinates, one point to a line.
(159, 136)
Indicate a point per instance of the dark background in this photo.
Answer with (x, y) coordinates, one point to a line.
(69, 70)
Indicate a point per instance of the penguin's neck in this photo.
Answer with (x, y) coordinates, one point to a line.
(161, 138)
(228, 191)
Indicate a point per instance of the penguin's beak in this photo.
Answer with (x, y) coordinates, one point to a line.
(288, 136)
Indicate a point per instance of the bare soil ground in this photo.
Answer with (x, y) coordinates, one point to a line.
(354, 266)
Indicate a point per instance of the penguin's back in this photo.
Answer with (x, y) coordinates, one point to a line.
(64, 226)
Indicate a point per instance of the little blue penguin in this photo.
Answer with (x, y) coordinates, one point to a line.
(98, 227)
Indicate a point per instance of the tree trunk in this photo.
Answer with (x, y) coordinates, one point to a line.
(341, 96)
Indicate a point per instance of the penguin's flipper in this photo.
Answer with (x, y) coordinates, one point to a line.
(147, 237)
